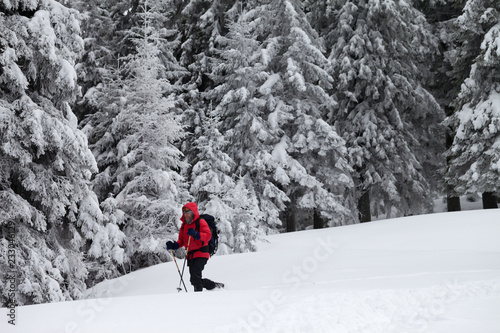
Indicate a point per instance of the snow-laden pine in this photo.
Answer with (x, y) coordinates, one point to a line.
(218, 193)
(384, 113)
(99, 31)
(239, 114)
(271, 92)
(474, 157)
(47, 209)
(134, 139)
(199, 22)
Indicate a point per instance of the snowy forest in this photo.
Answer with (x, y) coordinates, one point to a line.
(273, 115)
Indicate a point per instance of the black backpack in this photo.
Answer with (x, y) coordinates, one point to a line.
(213, 243)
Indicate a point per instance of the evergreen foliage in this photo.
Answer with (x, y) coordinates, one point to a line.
(134, 136)
(45, 163)
(475, 153)
(387, 117)
(271, 92)
(218, 193)
(273, 115)
(237, 77)
(199, 23)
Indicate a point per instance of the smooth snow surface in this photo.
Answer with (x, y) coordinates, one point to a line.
(437, 273)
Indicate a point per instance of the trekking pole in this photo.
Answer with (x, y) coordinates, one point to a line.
(184, 265)
(178, 270)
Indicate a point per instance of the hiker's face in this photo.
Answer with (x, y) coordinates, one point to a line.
(188, 216)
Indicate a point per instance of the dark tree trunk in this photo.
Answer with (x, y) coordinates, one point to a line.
(318, 222)
(291, 216)
(452, 202)
(489, 200)
(365, 214)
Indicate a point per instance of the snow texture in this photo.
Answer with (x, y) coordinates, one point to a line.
(435, 273)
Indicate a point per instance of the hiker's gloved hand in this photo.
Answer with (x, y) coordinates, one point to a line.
(194, 234)
(172, 245)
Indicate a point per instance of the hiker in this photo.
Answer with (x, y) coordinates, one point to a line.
(195, 240)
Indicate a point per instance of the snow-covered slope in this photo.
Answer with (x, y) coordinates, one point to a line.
(432, 273)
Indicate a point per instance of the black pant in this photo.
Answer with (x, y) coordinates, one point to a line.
(196, 266)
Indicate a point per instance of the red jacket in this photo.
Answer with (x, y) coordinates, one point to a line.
(194, 244)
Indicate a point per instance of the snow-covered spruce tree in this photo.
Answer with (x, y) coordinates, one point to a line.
(441, 14)
(237, 75)
(49, 217)
(108, 27)
(99, 25)
(463, 36)
(213, 187)
(199, 22)
(139, 164)
(272, 99)
(324, 189)
(474, 156)
(388, 119)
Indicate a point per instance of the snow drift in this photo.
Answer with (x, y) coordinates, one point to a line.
(433, 273)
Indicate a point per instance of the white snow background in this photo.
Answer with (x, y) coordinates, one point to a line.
(436, 273)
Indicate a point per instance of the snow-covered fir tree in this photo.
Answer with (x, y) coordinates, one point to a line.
(100, 31)
(48, 213)
(440, 14)
(237, 76)
(218, 193)
(475, 153)
(388, 119)
(139, 163)
(273, 102)
(463, 36)
(199, 23)
(304, 88)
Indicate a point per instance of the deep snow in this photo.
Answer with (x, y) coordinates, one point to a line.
(436, 273)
